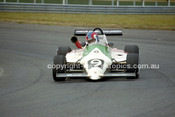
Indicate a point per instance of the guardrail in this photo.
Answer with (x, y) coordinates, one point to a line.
(93, 9)
(100, 2)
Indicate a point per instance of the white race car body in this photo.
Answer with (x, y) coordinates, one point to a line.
(96, 60)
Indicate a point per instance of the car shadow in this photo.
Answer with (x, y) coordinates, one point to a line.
(85, 80)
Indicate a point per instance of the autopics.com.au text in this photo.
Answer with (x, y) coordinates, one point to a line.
(113, 66)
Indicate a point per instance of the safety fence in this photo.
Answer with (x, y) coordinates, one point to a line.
(93, 9)
(99, 2)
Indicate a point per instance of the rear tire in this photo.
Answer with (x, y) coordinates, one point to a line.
(63, 50)
(58, 60)
(132, 65)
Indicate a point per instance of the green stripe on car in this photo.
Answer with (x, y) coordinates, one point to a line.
(104, 49)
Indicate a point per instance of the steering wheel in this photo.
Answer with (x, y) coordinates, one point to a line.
(99, 30)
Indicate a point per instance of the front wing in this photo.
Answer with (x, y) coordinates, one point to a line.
(122, 74)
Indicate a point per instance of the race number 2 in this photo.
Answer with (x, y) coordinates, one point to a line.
(95, 63)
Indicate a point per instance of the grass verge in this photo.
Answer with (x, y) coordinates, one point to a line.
(158, 22)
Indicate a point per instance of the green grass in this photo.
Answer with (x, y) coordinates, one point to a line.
(161, 22)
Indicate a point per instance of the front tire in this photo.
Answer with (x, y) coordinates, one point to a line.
(58, 60)
(132, 65)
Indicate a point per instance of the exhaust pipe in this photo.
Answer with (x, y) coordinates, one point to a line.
(74, 39)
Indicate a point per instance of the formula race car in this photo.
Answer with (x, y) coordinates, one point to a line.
(96, 61)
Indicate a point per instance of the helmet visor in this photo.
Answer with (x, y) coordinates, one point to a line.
(91, 40)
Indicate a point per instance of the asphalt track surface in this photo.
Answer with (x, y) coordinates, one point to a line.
(27, 88)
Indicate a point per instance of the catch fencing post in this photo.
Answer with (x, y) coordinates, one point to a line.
(134, 3)
(34, 1)
(155, 3)
(169, 3)
(17, 1)
(143, 3)
(64, 2)
(4, 1)
(112, 2)
(42, 1)
(117, 2)
(90, 2)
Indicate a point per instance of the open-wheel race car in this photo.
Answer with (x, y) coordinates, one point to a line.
(96, 61)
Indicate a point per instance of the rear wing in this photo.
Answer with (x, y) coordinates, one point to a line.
(108, 32)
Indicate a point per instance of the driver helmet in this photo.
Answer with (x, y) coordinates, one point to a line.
(92, 37)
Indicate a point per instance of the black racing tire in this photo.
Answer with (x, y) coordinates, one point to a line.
(58, 60)
(131, 49)
(63, 50)
(132, 62)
